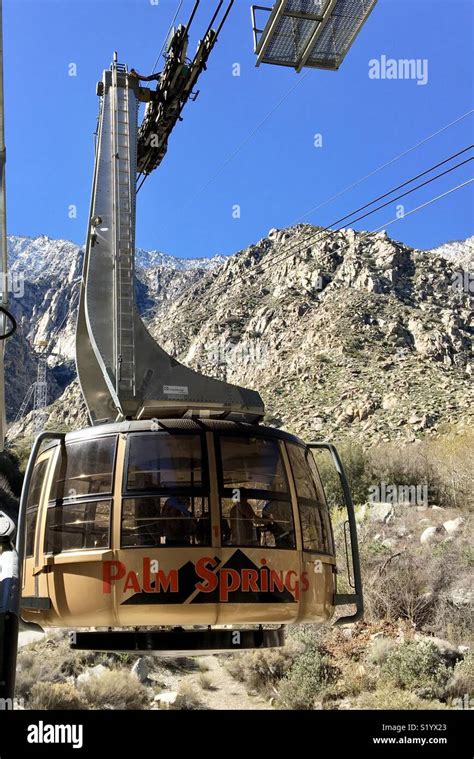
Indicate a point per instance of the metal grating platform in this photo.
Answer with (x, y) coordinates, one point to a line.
(309, 33)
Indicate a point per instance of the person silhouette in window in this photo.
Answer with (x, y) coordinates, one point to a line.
(243, 524)
(178, 523)
(277, 522)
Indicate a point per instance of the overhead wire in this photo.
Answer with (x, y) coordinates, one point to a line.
(180, 4)
(387, 163)
(316, 237)
(362, 236)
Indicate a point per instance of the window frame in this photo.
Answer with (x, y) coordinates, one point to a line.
(34, 508)
(188, 491)
(253, 493)
(84, 498)
(78, 503)
(309, 502)
(201, 490)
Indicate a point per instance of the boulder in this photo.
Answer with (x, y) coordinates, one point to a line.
(380, 512)
(430, 534)
(167, 699)
(142, 669)
(96, 671)
(453, 525)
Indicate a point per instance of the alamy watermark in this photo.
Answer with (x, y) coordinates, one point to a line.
(399, 68)
(13, 282)
(463, 280)
(8, 704)
(235, 354)
(412, 495)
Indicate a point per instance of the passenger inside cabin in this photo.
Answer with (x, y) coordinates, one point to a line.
(178, 523)
(277, 523)
(243, 524)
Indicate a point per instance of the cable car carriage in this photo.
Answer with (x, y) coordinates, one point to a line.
(179, 523)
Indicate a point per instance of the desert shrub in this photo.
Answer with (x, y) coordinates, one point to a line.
(352, 678)
(50, 661)
(205, 681)
(261, 670)
(414, 585)
(355, 461)
(393, 699)
(379, 650)
(416, 666)
(189, 699)
(55, 696)
(462, 681)
(266, 668)
(235, 666)
(114, 690)
(309, 674)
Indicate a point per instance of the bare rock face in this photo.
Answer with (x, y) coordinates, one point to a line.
(345, 335)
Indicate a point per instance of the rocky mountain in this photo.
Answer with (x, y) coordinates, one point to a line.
(460, 252)
(44, 291)
(345, 335)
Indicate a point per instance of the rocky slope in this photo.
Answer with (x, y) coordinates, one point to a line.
(348, 335)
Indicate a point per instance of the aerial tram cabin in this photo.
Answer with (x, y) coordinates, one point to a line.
(177, 523)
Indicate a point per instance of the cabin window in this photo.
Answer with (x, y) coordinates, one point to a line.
(314, 514)
(85, 468)
(157, 462)
(168, 479)
(78, 526)
(254, 522)
(256, 509)
(252, 463)
(165, 521)
(34, 495)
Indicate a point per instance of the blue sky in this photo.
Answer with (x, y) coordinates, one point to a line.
(186, 207)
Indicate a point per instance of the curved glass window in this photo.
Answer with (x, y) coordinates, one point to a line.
(76, 526)
(34, 495)
(166, 493)
(165, 521)
(78, 516)
(253, 522)
(85, 468)
(157, 461)
(256, 507)
(314, 514)
(252, 463)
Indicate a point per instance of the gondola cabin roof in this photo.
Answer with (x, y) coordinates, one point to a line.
(178, 426)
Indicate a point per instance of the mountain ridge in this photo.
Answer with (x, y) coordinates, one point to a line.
(349, 334)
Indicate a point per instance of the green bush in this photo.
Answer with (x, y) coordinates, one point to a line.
(55, 696)
(462, 681)
(356, 465)
(397, 700)
(310, 673)
(416, 667)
